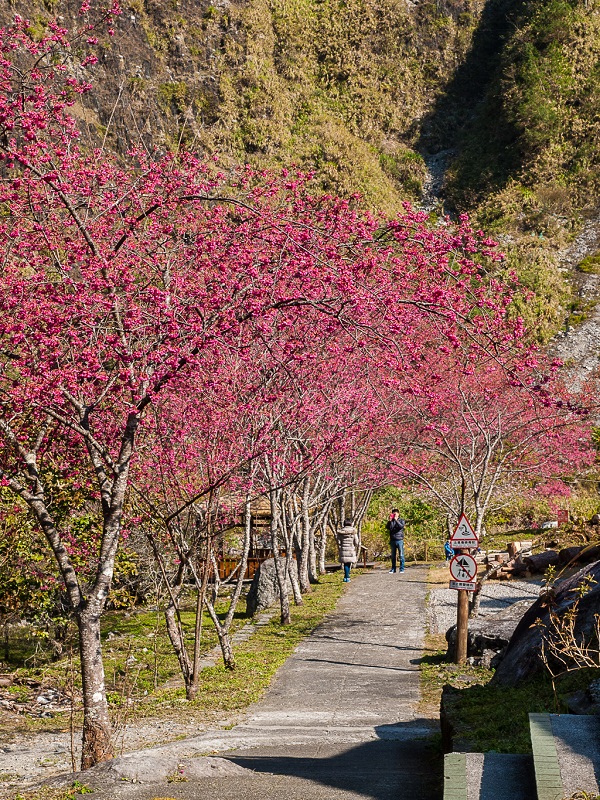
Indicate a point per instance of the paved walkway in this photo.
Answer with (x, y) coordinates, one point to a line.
(340, 720)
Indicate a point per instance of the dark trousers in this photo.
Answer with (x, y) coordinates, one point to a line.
(397, 547)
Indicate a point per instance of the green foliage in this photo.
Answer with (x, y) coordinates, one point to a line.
(529, 155)
(406, 167)
(334, 86)
(544, 292)
(590, 265)
(49, 793)
(424, 522)
(31, 588)
(173, 96)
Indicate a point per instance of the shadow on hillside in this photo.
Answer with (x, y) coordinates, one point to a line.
(401, 763)
(470, 114)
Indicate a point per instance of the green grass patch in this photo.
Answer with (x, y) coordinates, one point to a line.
(77, 789)
(485, 717)
(259, 658)
(139, 661)
(590, 265)
(437, 672)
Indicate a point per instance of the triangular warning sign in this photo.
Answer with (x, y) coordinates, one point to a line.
(463, 531)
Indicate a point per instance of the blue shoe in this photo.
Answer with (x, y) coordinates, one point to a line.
(392, 570)
(401, 570)
(346, 580)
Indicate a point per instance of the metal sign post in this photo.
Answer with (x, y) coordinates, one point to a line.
(463, 570)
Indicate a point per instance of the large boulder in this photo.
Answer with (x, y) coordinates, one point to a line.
(264, 589)
(522, 656)
(491, 632)
(585, 701)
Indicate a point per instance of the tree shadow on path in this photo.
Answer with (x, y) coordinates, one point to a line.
(401, 764)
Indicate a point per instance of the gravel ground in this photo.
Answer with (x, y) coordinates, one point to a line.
(441, 610)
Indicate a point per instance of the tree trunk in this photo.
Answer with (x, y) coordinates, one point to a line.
(175, 633)
(192, 689)
(313, 574)
(227, 650)
(224, 627)
(303, 539)
(97, 742)
(223, 635)
(280, 570)
(291, 569)
(322, 547)
(293, 576)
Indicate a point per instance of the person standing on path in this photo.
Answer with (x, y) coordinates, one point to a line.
(347, 542)
(395, 528)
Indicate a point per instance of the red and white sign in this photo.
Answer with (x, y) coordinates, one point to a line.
(466, 586)
(562, 516)
(463, 568)
(464, 536)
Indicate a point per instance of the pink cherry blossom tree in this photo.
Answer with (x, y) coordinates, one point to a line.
(126, 285)
(480, 435)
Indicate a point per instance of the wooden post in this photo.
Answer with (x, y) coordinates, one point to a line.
(462, 626)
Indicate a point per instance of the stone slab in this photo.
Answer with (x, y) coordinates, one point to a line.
(499, 776)
(577, 740)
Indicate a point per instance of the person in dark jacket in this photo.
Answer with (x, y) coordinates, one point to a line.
(395, 528)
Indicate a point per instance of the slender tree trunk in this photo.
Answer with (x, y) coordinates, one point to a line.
(303, 538)
(223, 636)
(280, 570)
(292, 572)
(479, 516)
(227, 650)
(291, 568)
(313, 574)
(97, 732)
(200, 597)
(322, 547)
(223, 628)
(175, 633)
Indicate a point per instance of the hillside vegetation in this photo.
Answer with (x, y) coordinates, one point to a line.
(362, 92)
(337, 86)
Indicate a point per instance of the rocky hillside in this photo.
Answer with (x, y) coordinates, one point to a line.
(490, 106)
(340, 86)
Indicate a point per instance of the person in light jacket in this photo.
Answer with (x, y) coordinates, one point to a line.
(347, 542)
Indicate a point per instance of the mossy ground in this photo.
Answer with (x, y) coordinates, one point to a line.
(486, 717)
(496, 718)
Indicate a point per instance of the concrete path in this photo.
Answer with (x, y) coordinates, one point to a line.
(340, 721)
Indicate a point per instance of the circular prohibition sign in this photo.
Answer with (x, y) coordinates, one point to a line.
(463, 567)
